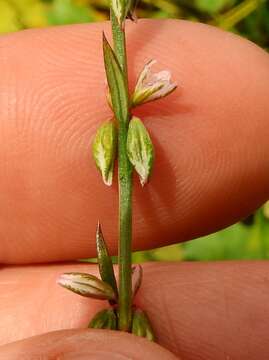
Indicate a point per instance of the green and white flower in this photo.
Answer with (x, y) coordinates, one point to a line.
(152, 86)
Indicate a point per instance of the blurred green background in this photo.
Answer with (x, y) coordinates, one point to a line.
(250, 18)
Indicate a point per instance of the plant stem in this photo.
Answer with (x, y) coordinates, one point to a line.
(125, 196)
(237, 14)
(119, 45)
(260, 222)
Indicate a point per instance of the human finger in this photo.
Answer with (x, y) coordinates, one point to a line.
(199, 311)
(85, 344)
(210, 136)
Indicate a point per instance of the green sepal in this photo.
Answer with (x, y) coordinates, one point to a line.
(104, 261)
(116, 83)
(104, 319)
(141, 325)
(140, 149)
(137, 275)
(104, 150)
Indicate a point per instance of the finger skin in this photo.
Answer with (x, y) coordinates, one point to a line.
(210, 136)
(85, 345)
(199, 311)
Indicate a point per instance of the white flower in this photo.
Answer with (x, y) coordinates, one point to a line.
(152, 86)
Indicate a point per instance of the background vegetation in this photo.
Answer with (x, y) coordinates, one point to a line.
(249, 18)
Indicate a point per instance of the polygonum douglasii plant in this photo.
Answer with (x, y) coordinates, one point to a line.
(123, 137)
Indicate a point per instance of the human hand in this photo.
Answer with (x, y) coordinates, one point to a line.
(212, 168)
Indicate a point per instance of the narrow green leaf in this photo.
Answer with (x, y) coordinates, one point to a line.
(236, 14)
(116, 83)
(104, 260)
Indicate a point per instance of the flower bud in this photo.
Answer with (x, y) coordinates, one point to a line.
(137, 274)
(104, 150)
(105, 319)
(150, 86)
(120, 9)
(141, 325)
(87, 285)
(140, 149)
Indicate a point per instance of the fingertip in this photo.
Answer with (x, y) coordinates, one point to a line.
(86, 344)
(209, 171)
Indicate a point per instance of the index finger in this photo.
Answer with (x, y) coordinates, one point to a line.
(211, 138)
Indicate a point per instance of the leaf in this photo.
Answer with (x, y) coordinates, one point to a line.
(104, 261)
(213, 6)
(116, 83)
(237, 14)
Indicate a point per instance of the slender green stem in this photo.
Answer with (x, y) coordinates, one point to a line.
(119, 41)
(125, 197)
(237, 14)
(262, 233)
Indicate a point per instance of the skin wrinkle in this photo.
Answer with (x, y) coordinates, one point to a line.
(95, 355)
(167, 315)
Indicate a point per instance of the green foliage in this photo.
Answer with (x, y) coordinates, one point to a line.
(227, 244)
(68, 12)
(240, 241)
(249, 18)
(116, 83)
(213, 6)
